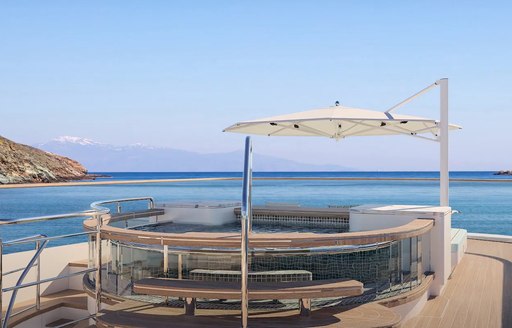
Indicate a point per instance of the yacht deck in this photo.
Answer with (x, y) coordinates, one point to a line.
(478, 294)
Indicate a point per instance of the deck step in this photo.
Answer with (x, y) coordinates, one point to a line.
(65, 299)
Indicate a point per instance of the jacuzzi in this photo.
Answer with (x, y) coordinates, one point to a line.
(201, 241)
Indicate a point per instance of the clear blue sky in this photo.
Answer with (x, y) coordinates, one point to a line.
(169, 73)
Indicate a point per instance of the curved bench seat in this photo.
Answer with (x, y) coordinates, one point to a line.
(257, 291)
(304, 291)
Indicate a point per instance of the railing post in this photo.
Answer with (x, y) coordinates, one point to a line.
(166, 259)
(118, 207)
(19, 283)
(305, 307)
(180, 266)
(246, 215)
(410, 262)
(98, 262)
(38, 278)
(1, 282)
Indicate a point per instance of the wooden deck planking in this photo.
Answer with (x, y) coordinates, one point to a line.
(478, 294)
(135, 314)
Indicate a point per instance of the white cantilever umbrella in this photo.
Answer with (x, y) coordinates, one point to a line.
(338, 122)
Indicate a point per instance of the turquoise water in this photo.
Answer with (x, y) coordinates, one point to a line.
(485, 206)
(257, 227)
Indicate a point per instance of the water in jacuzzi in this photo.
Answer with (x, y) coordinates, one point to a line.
(257, 227)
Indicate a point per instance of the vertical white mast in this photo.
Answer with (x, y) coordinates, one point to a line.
(443, 144)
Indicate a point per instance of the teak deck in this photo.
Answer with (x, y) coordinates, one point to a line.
(136, 314)
(479, 293)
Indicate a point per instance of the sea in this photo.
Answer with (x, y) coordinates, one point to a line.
(484, 207)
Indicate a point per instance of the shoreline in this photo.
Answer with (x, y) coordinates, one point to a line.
(148, 181)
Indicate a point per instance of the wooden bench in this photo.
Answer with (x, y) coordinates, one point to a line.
(304, 291)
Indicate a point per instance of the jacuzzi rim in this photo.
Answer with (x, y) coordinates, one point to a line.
(414, 228)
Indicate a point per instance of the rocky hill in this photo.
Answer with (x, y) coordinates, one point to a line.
(24, 164)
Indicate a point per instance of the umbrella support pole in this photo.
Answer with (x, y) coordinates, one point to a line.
(414, 96)
(444, 177)
(246, 218)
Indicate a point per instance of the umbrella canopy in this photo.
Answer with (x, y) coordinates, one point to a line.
(338, 122)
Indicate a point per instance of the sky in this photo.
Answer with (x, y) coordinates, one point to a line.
(176, 73)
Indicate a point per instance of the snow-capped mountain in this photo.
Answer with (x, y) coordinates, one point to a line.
(101, 157)
(75, 140)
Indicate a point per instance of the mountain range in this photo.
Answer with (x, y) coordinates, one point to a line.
(100, 157)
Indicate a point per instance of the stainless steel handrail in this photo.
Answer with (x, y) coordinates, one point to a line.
(29, 239)
(97, 212)
(25, 241)
(246, 216)
(98, 264)
(260, 251)
(100, 211)
(42, 281)
(98, 206)
(47, 218)
(41, 241)
(12, 271)
(20, 281)
(201, 205)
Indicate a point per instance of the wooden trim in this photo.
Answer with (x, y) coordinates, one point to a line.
(79, 264)
(136, 214)
(263, 240)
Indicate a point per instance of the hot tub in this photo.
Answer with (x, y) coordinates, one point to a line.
(201, 241)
